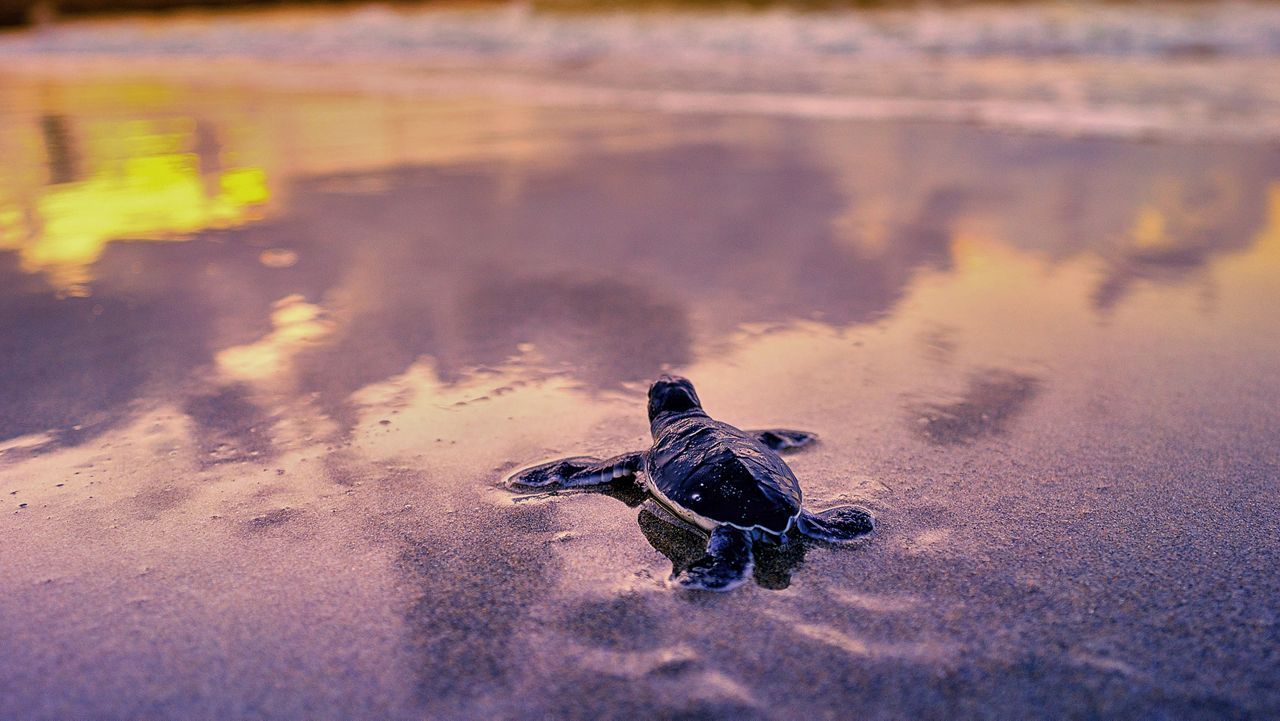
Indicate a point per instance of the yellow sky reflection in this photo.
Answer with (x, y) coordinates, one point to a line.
(89, 164)
(135, 180)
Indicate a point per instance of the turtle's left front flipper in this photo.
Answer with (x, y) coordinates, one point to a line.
(784, 439)
(726, 565)
(577, 471)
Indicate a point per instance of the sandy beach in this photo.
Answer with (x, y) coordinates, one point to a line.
(278, 318)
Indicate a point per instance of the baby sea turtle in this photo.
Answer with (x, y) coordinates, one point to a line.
(728, 482)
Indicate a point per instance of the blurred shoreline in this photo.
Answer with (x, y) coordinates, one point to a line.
(36, 12)
(1166, 72)
(1167, 29)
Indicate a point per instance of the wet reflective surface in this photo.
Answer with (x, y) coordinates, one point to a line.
(266, 356)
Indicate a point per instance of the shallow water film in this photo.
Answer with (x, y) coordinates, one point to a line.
(268, 350)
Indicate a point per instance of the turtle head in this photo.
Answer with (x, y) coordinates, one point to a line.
(672, 394)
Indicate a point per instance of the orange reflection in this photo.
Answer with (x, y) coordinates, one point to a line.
(1267, 246)
(296, 323)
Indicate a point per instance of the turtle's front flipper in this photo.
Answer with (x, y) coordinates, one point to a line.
(836, 525)
(577, 471)
(781, 439)
(726, 565)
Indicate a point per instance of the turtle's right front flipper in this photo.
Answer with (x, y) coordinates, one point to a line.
(726, 566)
(841, 524)
(577, 471)
(783, 439)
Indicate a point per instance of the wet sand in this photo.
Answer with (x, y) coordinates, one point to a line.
(269, 351)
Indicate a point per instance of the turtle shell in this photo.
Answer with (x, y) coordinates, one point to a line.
(722, 474)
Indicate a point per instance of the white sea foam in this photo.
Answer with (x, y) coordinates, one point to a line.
(1235, 29)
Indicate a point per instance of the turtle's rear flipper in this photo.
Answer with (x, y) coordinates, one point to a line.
(781, 439)
(836, 525)
(576, 471)
(726, 565)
